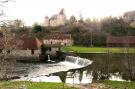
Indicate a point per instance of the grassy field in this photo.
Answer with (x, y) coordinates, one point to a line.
(44, 85)
(95, 49)
(32, 85)
(119, 85)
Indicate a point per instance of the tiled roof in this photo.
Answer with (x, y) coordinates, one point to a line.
(28, 43)
(121, 39)
(22, 43)
(58, 36)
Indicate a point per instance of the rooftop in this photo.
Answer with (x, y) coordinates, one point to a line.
(121, 39)
(58, 36)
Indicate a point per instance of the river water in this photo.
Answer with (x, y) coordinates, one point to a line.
(42, 72)
(115, 65)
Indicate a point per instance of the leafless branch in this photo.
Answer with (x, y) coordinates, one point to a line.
(5, 1)
(6, 45)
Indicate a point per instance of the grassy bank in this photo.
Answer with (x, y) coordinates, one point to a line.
(31, 85)
(43, 85)
(119, 85)
(78, 49)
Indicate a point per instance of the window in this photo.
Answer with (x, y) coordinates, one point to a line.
(50, 49)
(32, 51)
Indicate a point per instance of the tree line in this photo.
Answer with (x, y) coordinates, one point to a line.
(93, 32)
(85, 32)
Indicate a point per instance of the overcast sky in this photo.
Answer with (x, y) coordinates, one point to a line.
(31, 11)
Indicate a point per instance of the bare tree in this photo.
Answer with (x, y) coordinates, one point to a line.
(16, 24)
(6, 64)
(128, 55)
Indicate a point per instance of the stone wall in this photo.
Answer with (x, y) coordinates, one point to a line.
(26, 55)
(65, 42)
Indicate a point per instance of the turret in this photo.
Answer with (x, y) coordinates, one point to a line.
(47, 22)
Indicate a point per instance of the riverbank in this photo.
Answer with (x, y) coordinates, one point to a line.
(47, 85)
(107, 84)
(119, 84)
(32, 85)
(78, 49)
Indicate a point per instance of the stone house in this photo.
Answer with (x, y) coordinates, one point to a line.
(58, 40)
(27, 47)
(23, 48)
(55, 41)
(120, 41)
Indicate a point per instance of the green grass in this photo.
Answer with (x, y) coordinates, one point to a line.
(45, 85)
(119, 85)
(78, 49)
(32, 85)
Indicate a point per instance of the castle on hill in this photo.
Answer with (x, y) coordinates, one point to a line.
(56, 20)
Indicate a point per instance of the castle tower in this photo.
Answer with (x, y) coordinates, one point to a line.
(61, 12)
(47, 22)
(61, 19)
(56, 20)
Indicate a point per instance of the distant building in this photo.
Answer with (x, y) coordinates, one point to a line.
(25, 43)
(23, 48)
(56, 20)
(55, 41)
(58, 40)
(129, 16)
(21, 43)
(121, 41)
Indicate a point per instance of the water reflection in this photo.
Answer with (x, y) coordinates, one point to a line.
(118, 67)
(61, 71)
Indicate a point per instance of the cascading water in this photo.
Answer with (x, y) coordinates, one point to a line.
(41, 72)
(49, 58)
(76, 62)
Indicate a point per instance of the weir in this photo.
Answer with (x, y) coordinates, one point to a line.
(43, 72)
(82, 62)
(46, 72)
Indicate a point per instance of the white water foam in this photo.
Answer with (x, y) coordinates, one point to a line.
(38, 73)
(116, 77)
(76, 62)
